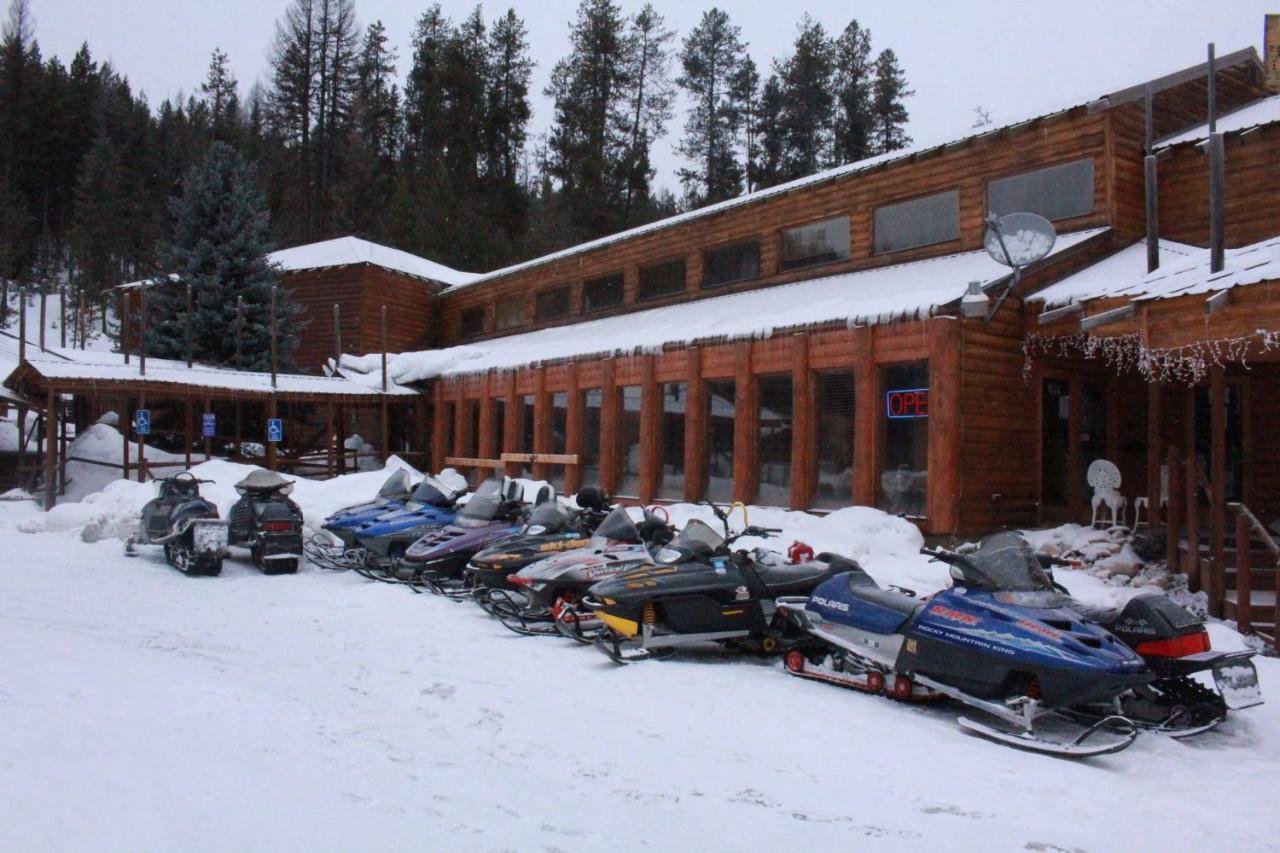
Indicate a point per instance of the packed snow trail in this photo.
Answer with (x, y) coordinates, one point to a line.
(145, 710)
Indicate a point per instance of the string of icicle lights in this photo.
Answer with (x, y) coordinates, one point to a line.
(1187, 364)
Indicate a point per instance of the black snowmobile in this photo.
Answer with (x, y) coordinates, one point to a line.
(551, 528)
(267, 522)
(187, 525)
(545, 597)
(701, 590)
(1174, 643)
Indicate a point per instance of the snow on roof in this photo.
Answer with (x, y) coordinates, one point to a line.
(881, 295)
(1188, 275)
(1119, 269)
(1118, 96)
(1257, 114)
(55, 363)
(352, 250)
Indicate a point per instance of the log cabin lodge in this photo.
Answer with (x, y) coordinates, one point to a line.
(809, 345)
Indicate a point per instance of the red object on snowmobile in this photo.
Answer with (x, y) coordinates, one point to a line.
(799, 552)
(1176, 647)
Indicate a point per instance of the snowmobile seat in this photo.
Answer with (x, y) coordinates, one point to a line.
(864, 587)
(792, 578)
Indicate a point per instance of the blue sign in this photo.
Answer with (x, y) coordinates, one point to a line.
(209, 427)
(907, 403)
(275, 429)
(142, 421)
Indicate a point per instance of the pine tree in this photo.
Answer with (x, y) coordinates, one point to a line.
(464, 77)
(853, 83)
(509, 111)
(888, 111)
(648, 98)
(219, 247)
(765, 168)
(292, 99)
(806, 120)
(424, 107)
(585, 145)
(712, 59)
(220, 98)
(376, 105)
(745, 92)
(335, 65)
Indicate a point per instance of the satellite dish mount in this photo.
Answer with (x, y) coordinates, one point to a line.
(1017, 240)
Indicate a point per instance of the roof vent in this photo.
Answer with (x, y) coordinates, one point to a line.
(975, 303)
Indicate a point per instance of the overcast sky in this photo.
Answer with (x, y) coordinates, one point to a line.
(956, 53)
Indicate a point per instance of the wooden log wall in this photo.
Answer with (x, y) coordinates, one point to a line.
(863, 351)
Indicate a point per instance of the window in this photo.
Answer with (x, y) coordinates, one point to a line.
(499, 415)
(833, 402)
(1055, 438)
(816, 243)
(508, 312)
(589, 454)
(629, 404)
(661, 280)
(551, 304)
(919, 222)
(471, 323)
(731, 263)
(528, 411)
(601, 293)
(675, 396)
(559, 429)
(720, 412)
(472, 449)
(773, 439)
(448, 414)
(904, 468)
(1058, 192)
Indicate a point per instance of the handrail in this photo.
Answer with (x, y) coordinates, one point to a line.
(1265, 535)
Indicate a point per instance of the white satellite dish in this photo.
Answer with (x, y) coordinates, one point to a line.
(1018, 239)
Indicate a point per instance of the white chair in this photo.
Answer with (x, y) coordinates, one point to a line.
(1104, 478)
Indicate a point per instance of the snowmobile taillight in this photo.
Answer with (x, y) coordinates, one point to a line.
(277, 526)
(519, 581)
(1176, 647)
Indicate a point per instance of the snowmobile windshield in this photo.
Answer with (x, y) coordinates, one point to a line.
(696, 539)
(1006, 563)
(396, 486)
(547, 517)
(617, 527)
(431, 492)
(485, 503)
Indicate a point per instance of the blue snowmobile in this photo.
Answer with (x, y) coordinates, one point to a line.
(1000, 641)
(386, 538)
(393, 495)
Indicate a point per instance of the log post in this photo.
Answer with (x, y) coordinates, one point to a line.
(142, 331)
(186, 447)
(944, 425)
(511, 424)
(337, 337)
(866, 404)
(340, 441)
(608, 426)
(62, 315)
(541, 421)
(1174, 516)
(51, 448)
(329, 441)
(63, 442)
(44, 298)
(438, 427)
(22, 439)
(650, 418)
(1191, 485)
(124, 323)
(1155, 402)
(746, 414)
(271, 445)
(208, 440)
(1244, 582)
(803, 431)
(273, 347)
(1218, 485)
(125, 420)
(572, 432)
(142, 439)
(695, 428)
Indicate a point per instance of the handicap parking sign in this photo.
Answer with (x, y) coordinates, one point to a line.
(209, 426)
(142, 421)
(275, 429)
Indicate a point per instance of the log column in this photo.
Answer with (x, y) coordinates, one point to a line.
(511, 425)
(51, 449)
(803, 434)
(944, 425)
(695, 429)
(650, 409)
(573, 431)
(745, 414)
(541, 421)
(438, 427)
(1191, 477)
(608, 427)
(1218, 485)
(1155, 452)
(866, 405)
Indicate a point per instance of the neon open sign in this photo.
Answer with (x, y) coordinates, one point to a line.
(907, 403)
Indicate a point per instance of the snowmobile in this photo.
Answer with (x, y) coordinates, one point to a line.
(1174, 643)
(552, 528)
(546, 592)
(335, 547)
(386, 538)
(187, 525)
(267, 522)
(705, 591)
(493, 512)
(998, 640)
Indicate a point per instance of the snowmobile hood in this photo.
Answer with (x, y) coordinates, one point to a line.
(633, 588)
(404, 522)
(587, 564)
(518, 551)
(452, 539)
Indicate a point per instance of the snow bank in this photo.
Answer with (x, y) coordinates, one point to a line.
(103, 442)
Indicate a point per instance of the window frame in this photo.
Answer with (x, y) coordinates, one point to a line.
(519, 303)
(785, 266)
(619, 276)
(474, 310)
(1093, 187)
(724, 247)
(876, 251)
(564, 291)
(682, 260)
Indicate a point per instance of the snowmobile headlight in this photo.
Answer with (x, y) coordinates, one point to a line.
(536, 529)
(497, 558)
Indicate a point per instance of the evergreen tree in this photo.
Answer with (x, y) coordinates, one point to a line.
(335, 66)
(220, 98)
(853, 83)
(508, 110)
(293, 96)
(219, 247)
(806, 119)
(712, 59)
(376, 105)
(888, 112)
(585, 145)
(424, 107)
(745, 92)
(648, 100)
(765, 168)
(464, 77)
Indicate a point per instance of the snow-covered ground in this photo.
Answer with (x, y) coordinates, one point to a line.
(144, 710)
